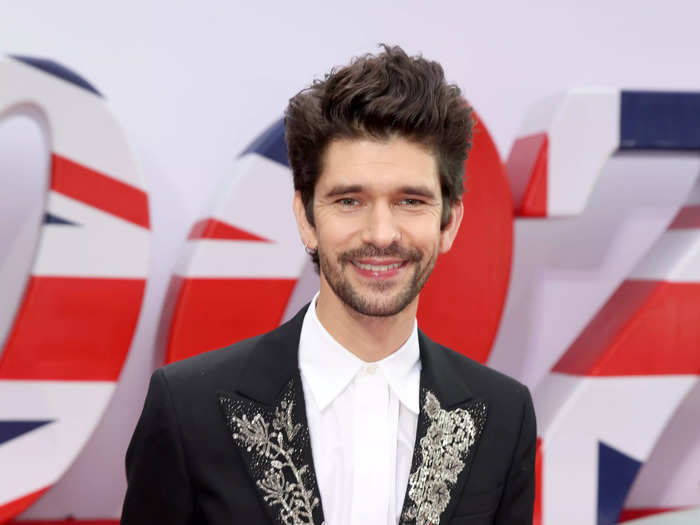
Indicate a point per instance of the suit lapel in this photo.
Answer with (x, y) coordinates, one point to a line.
(266, 415)
(450, 423)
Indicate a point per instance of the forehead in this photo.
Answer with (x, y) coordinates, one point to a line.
(378, 164)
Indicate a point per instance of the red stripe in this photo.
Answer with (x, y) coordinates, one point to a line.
(633, 514)
(537, 515)
(216, 229)
(688, 217)
(212, 313)
(98, 190)
(645, 328)
(16, 507)
(527, 170)
(73, 329)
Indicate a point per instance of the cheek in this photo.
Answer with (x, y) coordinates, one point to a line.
(337, 232)
(423, 232)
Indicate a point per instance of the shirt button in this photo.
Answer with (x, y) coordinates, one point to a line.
(371, 369)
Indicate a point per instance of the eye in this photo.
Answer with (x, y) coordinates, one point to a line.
(348, 202)
(411, 202)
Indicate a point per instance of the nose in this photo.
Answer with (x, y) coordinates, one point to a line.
(381, 228)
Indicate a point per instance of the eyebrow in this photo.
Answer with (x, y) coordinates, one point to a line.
(341, 189)
(422, 191)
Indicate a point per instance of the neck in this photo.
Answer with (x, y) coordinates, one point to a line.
(370, 338)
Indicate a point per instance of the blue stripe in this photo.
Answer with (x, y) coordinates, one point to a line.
(12, 429)
(616, 473)
(654, 120)
(271, 144)
(49, 218)
(57, 70)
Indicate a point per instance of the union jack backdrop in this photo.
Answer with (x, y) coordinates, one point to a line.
(576, 270)
(71, 333)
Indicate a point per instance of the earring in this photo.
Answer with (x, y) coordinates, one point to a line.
(309, 250)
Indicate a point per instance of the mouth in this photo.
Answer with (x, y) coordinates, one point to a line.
(378, 269)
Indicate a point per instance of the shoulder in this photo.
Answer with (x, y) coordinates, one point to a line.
(254, 363)
(483, 380)
(511, 415)
(214, 365)
(507, 399)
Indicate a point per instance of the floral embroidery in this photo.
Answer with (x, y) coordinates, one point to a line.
(440, 459)
(275, 455)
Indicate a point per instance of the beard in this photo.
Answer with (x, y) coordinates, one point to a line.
(395, 296)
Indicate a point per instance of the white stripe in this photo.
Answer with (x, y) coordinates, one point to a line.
(69, 251)
(640, 402)
(243, 259)
(81, 126)
(39, 458)
(694, 197)
(674, 258)
(77, 211)
(573, 164)
(101, 245)
(540, 115)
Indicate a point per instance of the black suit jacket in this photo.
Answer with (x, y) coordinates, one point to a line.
(223, 440)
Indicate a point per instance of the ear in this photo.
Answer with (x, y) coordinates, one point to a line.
(306, 231)
(449, 232)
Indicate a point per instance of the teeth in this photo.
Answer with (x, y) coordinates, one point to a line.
(376, 267)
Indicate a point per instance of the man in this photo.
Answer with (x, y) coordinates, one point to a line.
(348, 414)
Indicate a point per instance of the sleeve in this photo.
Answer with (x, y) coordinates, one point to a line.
(517, 502)
(158, 485)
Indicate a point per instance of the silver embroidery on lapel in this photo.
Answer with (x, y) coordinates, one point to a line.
(443, 450)
(275, 458)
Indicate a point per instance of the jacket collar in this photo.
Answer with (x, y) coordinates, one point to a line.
(440, 375)
(440, 468)
(273, 362)
(275, 357)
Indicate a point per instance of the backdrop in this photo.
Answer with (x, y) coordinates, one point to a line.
(192, 86)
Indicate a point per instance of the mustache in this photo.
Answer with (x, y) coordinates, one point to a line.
(370, 251)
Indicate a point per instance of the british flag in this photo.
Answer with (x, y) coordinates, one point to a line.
(71, 333)
(614, 388)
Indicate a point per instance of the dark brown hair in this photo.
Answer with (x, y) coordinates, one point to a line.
(380, 96)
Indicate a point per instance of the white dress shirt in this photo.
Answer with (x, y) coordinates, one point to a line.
(362, 421)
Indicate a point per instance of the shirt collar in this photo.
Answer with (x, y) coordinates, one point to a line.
(328, 366)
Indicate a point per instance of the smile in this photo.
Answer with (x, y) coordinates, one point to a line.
(377, 267)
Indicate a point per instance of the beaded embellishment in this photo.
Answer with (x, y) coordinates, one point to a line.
(443, 451)
(274, 448)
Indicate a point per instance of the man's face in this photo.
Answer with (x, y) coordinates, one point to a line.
(377, 209)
